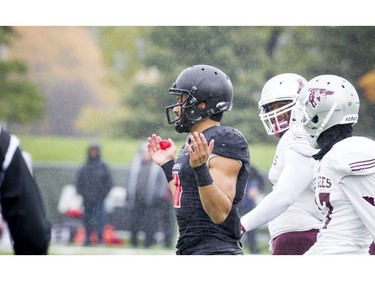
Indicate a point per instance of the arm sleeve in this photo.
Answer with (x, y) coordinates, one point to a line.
(294, 179)
(361, 193)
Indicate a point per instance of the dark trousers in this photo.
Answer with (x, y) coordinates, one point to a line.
(142, 218)
(250, 236)
(94, 219)
(251, 241)
(168, 221)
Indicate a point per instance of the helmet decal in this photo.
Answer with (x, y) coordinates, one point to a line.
(325, 101)
(317, 95)
(301, 83)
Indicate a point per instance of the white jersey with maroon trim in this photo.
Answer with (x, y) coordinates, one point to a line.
(303, 214)
(344, 185)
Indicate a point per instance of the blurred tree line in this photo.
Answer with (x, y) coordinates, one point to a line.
(146, 60)
(21, 100)
(67, 66)
(143, 62)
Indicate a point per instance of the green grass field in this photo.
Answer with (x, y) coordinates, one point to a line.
(114, 151)
(71, 249)
(73, 150)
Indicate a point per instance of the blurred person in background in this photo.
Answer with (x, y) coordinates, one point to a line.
(21, 205)
(164, 212)
(254, 187)
(94, 181)
(149, 201)
(289, 209)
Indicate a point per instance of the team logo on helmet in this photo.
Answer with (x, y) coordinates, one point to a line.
(317, 95)
(301, 84)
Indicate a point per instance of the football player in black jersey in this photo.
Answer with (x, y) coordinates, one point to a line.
(20, 202)
(208, 177)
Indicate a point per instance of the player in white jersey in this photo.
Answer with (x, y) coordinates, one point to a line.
(290, 211)
(344, 178)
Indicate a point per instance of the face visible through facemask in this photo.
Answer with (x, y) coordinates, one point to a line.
(177, 110)
(281, 118)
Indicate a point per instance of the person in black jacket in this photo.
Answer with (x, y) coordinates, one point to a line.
(94, 181)
(21, 204)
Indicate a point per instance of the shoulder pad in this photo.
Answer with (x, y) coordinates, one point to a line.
(229, 142)
(298, 143)
(352, 156)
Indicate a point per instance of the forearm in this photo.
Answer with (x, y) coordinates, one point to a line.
(273, 205)
(217, 197)
(289, 187)
(215, 203)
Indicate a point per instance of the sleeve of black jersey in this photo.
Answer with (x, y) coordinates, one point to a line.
(23, 209)
(231, 143)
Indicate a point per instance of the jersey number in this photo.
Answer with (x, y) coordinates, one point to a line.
(178, 190)
(324, 201)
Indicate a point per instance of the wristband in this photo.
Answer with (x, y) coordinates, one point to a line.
(167, 169)
(202, 175)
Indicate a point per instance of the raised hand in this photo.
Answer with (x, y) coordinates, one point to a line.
(200, 150)
(158, 152)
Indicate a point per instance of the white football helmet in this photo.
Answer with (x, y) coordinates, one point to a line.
(325, 101)
(283, 88)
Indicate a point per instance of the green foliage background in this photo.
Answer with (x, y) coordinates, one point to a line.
(143, 62)
(249, 55)
(21, 100)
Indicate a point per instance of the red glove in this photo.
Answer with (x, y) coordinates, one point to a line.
(164, 144)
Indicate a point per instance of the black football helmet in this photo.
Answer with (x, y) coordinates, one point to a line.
(200, 83)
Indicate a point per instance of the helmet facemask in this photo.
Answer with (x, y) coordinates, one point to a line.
(276, 121)
(278, 97)
(188, 104)
(310, 127)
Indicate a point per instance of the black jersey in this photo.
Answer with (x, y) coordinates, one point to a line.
(193, 222)
(20, 201)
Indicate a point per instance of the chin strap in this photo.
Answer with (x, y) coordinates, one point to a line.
(332, 136)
